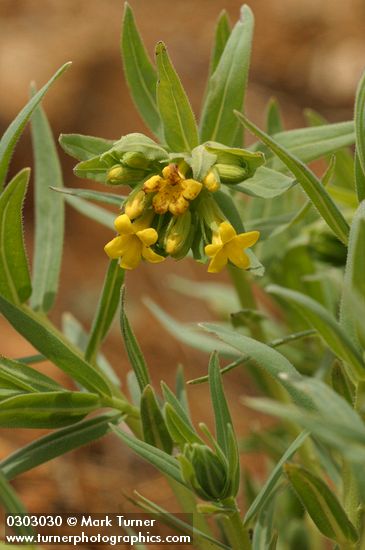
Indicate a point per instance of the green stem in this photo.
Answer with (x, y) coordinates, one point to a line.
(234, 529)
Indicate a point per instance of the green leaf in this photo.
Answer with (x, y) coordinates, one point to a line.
(309, 182)
(187, 333)
(321, 504)
(14, 131)
(14, 271)
(84, 147)
(49, 215)
(268, 358)
(140, 74)
(180, 130)
(154, 427)
(134, 352)
(354, 276)
(94, 169)
(360, 138)
(46, 410)
(179, 427)
(222, 33)
(78, 337)
(221, 412)
(96, 213)
(24, 378)
(57, 443)
(136, 142)
(309, 144)
(52, 345)
(13, 504)
(90, 194)
(274, 123)
(176, 404)
(159, 459)
(201, 162)
(266, 492)
(326, 325)
(107, 307)
(227, 85)
(266, 184)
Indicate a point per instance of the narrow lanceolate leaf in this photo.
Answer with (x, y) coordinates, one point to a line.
(322, 505)
(46, 410)
(264, 495)
(354, 286)
(92, 211)
(179, 428)
(274, 123)
(180, 130)
(134, 352)
(84, 147)
(153, 424)
(14, 374)
(327, 326)
(12, 504)
(57, 443)
(227, 85)
(359, 178)
(360, 135)
(221, 412)
(49, 215)
(14, 271)
(309, 182)
(222, 33)
(51, 344)
(140, 73)
(14, 131)
(90, 194)
(161, 460)
(108, 304)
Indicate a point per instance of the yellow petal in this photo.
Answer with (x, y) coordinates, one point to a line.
(212, 249)
(248, 239)
(148, 236)
(191, 188)
(151, 256)
(161, 202)
(152, 184)
(115, 247)
(132, 255)
(226, 232)
(123, 225)
(178, 206)
(237, 255)
(218, 262)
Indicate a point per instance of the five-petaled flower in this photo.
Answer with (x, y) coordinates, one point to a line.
(133, 242)
(173, 191)
(227, 245)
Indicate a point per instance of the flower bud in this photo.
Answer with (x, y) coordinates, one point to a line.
(231, 173)
(136, 160)
(135, 205)
(123, 175)
(211, 182)
(177, 240)
(210, 480)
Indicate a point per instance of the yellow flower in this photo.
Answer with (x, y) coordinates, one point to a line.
(173, 191)
(227, 245)
(210, 181)
(135, 205)
(133, 242)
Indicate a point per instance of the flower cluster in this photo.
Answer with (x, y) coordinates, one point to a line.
(175, 206)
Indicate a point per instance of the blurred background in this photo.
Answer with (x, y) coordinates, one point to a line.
(306, 53)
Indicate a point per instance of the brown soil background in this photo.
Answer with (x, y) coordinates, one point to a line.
(306, 53)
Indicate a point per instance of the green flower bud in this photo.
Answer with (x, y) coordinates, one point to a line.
(123, 175)
(231, 173)
(210, 473)
(135, 160)
(179, 235)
